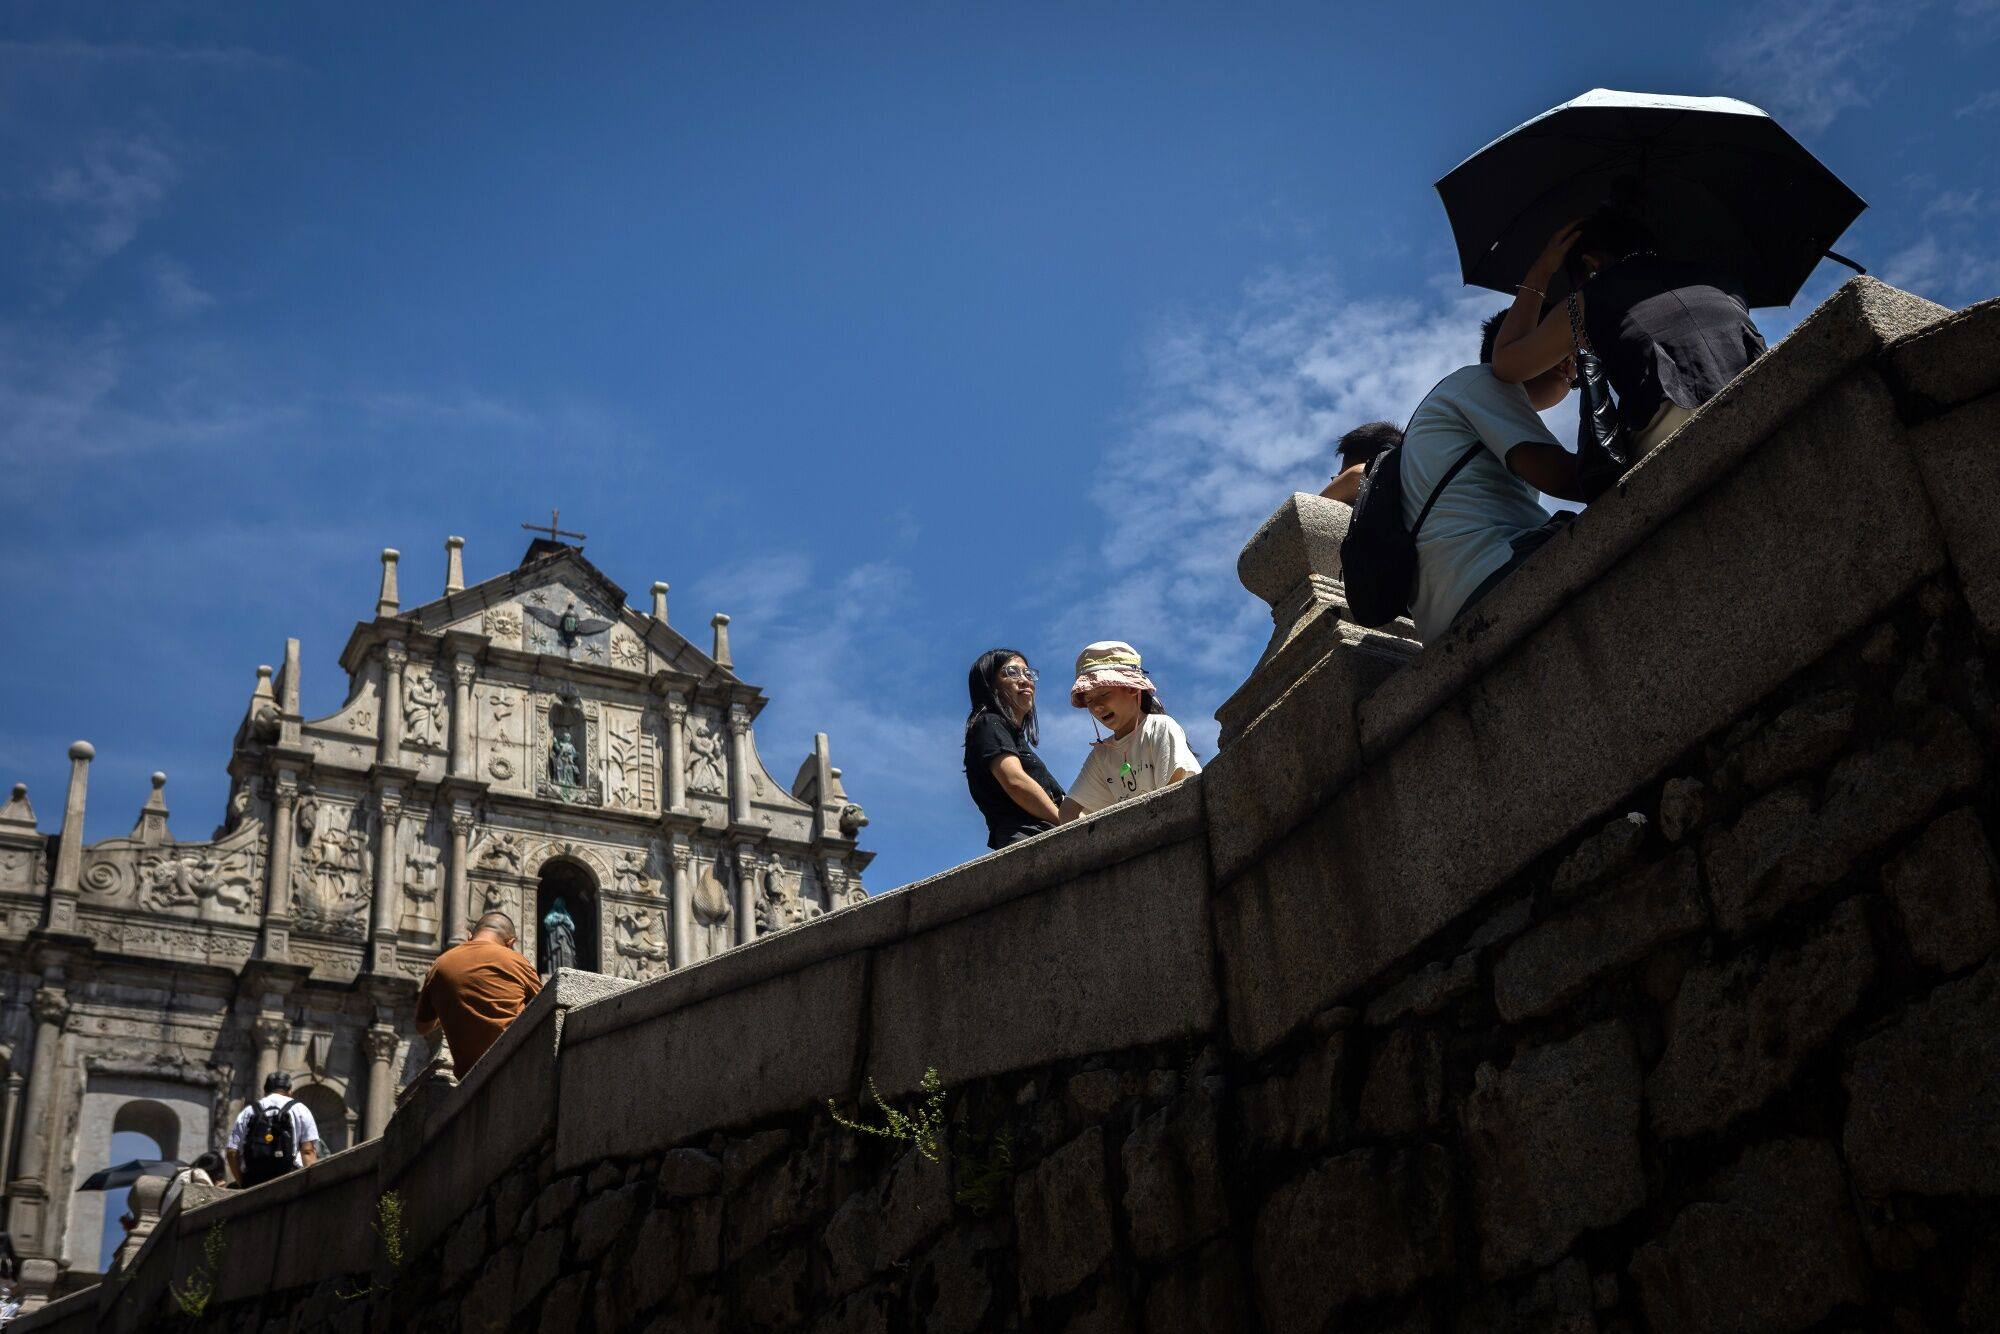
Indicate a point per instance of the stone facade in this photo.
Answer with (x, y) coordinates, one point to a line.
(1624, 961)
(489, 755)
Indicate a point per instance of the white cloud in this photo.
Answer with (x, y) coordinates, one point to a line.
(111, 187)
(175, 290)
(1807, 61)
(1234, 414)
(1985, 102)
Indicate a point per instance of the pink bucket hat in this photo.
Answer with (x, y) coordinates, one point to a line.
(1112, 662)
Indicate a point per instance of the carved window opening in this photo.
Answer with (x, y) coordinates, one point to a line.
(573, 884)
(144, 1130)
(330, 1114)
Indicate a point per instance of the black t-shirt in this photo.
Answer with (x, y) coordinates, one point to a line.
(987, 738)
(1666, 330)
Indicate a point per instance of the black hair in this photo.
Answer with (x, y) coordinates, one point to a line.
(277, 1082)
(982, 683)
(1614, 232)
(1489, 333)
(1365, 442)
(210, 1162)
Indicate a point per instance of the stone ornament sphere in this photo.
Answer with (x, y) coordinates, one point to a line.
(1301, 538)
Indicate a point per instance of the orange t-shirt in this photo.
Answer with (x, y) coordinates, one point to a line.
(475, 989)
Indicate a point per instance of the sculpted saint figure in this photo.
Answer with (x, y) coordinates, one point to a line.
(563, 767)
(558, 938)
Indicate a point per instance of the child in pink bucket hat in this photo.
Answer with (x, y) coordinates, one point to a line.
(1146, 750)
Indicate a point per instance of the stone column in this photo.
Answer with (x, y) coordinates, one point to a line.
(462, 672)
(660, 601)
(683, 902)
(61, 914)
(720, 624)
(453, 925)
(746, 893)
(269, 1031)
(379, 1045)
(388, 892)
(393, 659)
(677, 774)
(454, 565)
(16, 1081)
(277, 928)
(28, 1192)
(739, 765)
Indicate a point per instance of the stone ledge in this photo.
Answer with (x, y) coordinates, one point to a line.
(1950, 362)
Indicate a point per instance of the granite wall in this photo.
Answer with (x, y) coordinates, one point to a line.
(1625, 961)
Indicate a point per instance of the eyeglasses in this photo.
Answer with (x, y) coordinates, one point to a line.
(1014, 671)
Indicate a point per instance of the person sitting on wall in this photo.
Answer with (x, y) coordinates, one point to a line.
(272, 1136)
(1146, 750)
(475, 989)
(1009, 783)
(1671, 334)
(1357, 449)
(1487, 519)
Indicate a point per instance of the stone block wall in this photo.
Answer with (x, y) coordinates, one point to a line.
(1624, 962)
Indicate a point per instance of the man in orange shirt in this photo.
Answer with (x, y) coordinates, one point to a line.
(475, 990)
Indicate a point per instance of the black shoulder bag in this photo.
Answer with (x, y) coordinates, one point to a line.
(1603, 448)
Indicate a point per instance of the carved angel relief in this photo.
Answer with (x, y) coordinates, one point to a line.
(186, 877)
(630, 873)
(782, 904)
(329, 891)
(640, 943)
(423, 710)
(705, 766)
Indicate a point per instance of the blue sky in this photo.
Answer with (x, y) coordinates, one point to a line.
(897, 332)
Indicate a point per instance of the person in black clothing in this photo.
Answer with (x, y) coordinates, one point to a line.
(1011, 786)
(1671, 334)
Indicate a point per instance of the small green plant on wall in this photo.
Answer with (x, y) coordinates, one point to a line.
(194, 1295)
(390, 1228)
(922, 1126)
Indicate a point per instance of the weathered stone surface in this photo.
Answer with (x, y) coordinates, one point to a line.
(702, 1314)
(1961, 471)
(602, 1220)
(772, 1293)
(1103, 1309)
(1739, 1031)
(541, 1261)
(1685, 805)
(1602, 855)
(956, 1275)
(513, 1204)
(602, 1177)
(915, 1206)
(1173, 1177)
(466, 1248)
(1300, 1108)
(1769, 1246)
(742, 1157)
(1205, 1291)
(1781, 850)
(1943, 888)
(849, 1241)
(1554, 1141)
(782, 1196)
(1358, 1226)
(1093, 1093)
(557, 1199)
(1109, 959)
(562, 1309)
(489, 1302)
(1062, 1217)
(863, 1313)
(686, 1172)
(1560, 1301)
(1801, 739)
(1426, 991)
(1618, 927)
(1924, 1095)
(1404, 1091)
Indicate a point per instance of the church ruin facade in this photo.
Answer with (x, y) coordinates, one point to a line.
(528, 744)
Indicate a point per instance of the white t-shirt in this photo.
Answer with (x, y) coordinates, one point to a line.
(1470, 530)
(304, 1129)
(1142, 761)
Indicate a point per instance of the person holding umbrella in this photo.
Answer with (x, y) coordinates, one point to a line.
(1670, 333)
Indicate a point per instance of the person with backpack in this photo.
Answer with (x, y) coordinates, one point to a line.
(1445, 516)
(272, 1136)
(1357, 449)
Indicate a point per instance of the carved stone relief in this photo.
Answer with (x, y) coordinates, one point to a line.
(782, 905)
(632, 762)
(423, 709)
(627, 651)
(706, 768)
(503, 626)
(568, 736)
(500, 851)
(711, 897)
(630, 875)
(501, 734)
(639, 942)
(189, 876)
(329, 881)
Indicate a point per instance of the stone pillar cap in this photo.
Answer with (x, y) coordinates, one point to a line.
(82, 750)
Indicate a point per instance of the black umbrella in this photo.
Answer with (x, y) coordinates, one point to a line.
(1716, 180)
(111, 1178)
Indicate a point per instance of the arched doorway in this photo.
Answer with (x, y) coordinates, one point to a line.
(329, 1111)
(141, 1129)
(573, 884)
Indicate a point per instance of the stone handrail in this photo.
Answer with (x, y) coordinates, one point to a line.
(1372, 849)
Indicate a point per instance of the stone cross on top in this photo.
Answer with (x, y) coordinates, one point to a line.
(555, 534)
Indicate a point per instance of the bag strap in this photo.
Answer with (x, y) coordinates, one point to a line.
(1438, 490)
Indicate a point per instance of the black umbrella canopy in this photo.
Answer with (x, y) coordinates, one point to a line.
(111, 1178)
(1716, 179)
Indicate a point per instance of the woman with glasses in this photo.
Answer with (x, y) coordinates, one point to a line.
(1011, 786)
